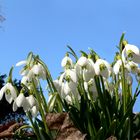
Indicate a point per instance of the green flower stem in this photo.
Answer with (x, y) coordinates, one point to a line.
(59, 102)
(44, 100)
(116, 84)
(104, 92)
(124, 96)
(41, 109)
(48, 76)
(33, 126)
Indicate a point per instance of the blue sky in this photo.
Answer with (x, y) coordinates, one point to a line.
(47, 26)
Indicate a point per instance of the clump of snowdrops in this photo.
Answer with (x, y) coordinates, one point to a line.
(99, 96)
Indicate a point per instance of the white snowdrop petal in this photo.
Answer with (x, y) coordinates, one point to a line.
(72, 86)
(34, 111)
(26, 105)
(31, 100)
(21, 63)
(35, 69)
(15, 106)
(66, 60)
(1, 95)
(67, 89)
(82, 61)
(87, 75)
(68, 99)
(61, 78)
(13, 92)
(25, 80)
(20, 100)
(86, 86)
(9, 98)
(72, 74)
(2, 91)
(78, 69)
(136, 59)
(57, 85)
(97, 69)
(105, 73)
(133, 48)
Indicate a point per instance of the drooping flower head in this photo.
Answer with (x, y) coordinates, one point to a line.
(131, 53)
(9, 91)
(103, 68)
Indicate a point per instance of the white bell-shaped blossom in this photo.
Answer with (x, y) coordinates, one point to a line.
(117, 66)
(68, 81)
(131, 53)
(9, 91)
(27, 80)
(31, 100)
(89, 71)
(66, 61)
(28, 103)
(57, 85)
(85, 67)
(103, 68)
(69, 74)
(39, 70)
(82, 61)
(21, 101)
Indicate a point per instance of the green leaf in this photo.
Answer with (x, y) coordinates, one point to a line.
(72, 52)
(29, 58)
(100, 134)
(121, 40)
(52, 102)
(112, 128)
(125, 135)
(84, 53)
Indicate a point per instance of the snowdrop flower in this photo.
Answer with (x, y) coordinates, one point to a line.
(9, 91)
(66, 61)
(69, 87)
(89, 71)
(85, 67)
(33, 105)
(132, 67)
(68, 81)
(28, 103)
(103, 68)
(132, 53)
(117, 66)
(21, 101)
(91, 87)
(82, 61)
(27, 80)
(39, 70)
(69, 75)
